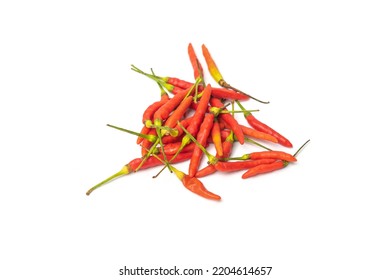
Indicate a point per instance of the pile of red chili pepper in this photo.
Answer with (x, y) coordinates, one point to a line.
(189, 117)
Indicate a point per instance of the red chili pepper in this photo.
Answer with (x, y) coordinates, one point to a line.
(258, 125)
(177, 82)
(231, 166)
(258, 134)
(224, 93)
(203, 134)
(195, 185)
(267, 154)
(133, 164)
(230, 120)
(263, 168)
(198, 70)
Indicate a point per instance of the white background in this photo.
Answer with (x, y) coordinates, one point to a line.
(65, 73)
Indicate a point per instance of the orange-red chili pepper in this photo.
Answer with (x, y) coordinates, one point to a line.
(195, 185)
(230, 120)
(258, 125)
(258, 134)
(213, 69)
(224, 93)
(263, 168)
(200, 111)
(231, 166)
(198, 70)
(268, 154)
(203, 134)
(177, 82)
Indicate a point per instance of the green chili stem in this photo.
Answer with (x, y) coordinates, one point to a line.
(256, 143)
(285, 163)
(150, 138)
(123, 171)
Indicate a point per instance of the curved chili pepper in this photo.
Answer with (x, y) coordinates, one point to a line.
(198, 70)
(147, 117)
(263, 168)
(203, 134)
(258, 125)
(194, 185)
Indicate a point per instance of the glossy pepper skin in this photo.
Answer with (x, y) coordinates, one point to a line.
(194, 185)
(203, 134)
(231, 166)
(263, 168)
